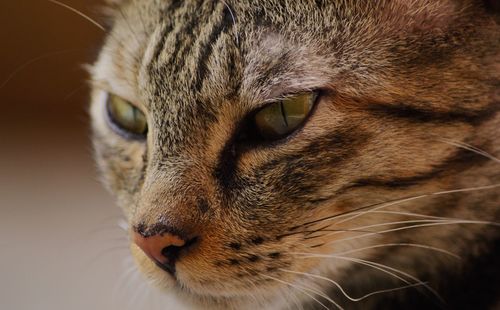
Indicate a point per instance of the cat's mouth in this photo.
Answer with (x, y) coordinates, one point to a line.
(193, 280)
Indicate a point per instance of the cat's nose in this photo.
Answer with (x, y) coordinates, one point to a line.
(162, 248)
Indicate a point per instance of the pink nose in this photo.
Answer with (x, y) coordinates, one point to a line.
(163, 249)
(156, 246)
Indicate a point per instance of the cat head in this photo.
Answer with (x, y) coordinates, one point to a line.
(256, 135)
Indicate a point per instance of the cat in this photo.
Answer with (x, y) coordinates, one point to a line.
(329, 154)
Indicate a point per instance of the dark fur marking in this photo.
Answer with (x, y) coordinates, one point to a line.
(218, 264)
(253, 258)
(202, 69)
(257, 240)
(317, 245)
(452, 165)
(415, 114)
(170, 10)
(233, 262)
(202, 205)
(180, 50)
(329, 150)
(235, 246)
(274, 255)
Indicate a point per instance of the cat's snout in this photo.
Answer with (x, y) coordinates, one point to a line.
(162, 247)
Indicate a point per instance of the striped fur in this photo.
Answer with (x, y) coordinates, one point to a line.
(406, 88)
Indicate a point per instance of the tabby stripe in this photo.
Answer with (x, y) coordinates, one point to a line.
(184, 35)
(224, 25)
(415, 114)
(450, 165)
(295, 170)
(169, 12)
(183, 55)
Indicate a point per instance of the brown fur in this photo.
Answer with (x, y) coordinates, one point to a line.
(398, 79)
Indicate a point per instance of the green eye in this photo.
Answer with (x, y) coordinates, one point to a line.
(283, 117)
(126, 116)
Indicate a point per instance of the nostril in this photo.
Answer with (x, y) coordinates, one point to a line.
(172, 252)
(163, 247)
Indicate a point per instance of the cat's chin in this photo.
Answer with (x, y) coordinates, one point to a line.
(205, 298)
(184, 288)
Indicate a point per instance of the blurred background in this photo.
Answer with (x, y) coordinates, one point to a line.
(61, 242)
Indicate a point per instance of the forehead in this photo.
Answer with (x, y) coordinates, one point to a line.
(187, 44)
(194, 55)
(186, 58)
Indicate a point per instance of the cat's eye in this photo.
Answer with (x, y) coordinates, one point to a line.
(128, 118)
(285, 116)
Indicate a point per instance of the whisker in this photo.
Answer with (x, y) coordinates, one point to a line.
(344, 292)
(326, 227)
(414, 215)
(305, 291)
(471, 148)
(310, 232)
(32, 61)
(81, 14)
(361, 228)
(104, 253)
(234, 21)
(351, 259)
(378, 206)
(123, 279)
(123, 224)
(414, 226)
(74, 92)
(383, 268)
(95, 23)
(415, 245)
(389, 290)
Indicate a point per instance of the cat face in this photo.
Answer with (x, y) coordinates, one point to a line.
(193, 114)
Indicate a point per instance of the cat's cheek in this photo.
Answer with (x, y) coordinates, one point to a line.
(158, 277)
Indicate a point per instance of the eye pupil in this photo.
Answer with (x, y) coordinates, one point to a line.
(282, 118)
(128, 119)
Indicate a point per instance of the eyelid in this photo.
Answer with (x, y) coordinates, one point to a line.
(287, 95)
(104, 86)
(266, 103)
(131, 102)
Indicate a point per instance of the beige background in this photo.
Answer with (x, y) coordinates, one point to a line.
(61, 244)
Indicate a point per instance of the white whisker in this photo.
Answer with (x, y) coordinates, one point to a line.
(34, 60)
(415, 215)
(81, 14)
(234, 21)
(314, 255)
(414, 226)
(415, 245)
(408, 199)
(471, 148)
(305, 290)
(361, 228)
(344, 292)
(381, 267)
(123, 224)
